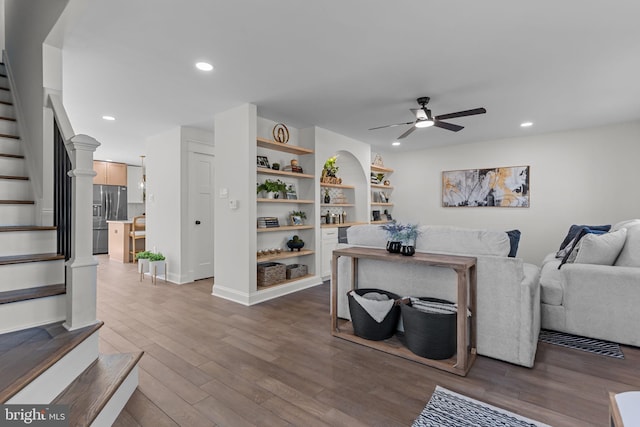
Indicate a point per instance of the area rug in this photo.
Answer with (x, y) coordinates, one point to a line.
(449, 409)
(603, 348)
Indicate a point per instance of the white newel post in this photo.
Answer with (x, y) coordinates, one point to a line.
(82, 266)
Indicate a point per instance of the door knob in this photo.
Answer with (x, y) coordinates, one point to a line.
(197, 222)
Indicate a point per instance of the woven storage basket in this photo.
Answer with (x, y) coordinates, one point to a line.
(270, 273)
(296, 270)
(430, 335)
(365, 326)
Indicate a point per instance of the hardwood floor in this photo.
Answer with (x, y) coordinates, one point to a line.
(212, 362)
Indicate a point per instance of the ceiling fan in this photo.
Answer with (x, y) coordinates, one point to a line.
(424, 118)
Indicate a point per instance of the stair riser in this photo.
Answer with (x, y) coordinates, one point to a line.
(17, 214)
(27, 242)
(5, 96)
(8, 127)
(31, 274)
(30, 313)
(4, 81)
(11, 166)
(10, 146)
(15, 189)
(116, 404)
(54, 380)
(7, 111)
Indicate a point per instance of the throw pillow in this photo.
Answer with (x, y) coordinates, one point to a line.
(630, 254)
(602, 249)
(575, 242)
(514, 239)
(575, 229)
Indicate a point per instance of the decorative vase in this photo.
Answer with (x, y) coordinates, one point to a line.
(408, 250)
(299, 244)
(327, 198)
(394, 247)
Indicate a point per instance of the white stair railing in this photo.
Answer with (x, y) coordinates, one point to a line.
(81, 267)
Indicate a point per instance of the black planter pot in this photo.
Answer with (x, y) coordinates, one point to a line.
(394, 247)
(408, 250)
(295, 245)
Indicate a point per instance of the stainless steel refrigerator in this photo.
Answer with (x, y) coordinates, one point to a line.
(109, 204)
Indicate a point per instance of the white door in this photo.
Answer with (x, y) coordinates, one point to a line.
(201, 199)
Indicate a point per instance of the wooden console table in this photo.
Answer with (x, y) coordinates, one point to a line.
(465, 268)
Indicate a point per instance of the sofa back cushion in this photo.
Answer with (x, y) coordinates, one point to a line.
(367, 235)
(602, 249)
(456, 240)
(630, 254)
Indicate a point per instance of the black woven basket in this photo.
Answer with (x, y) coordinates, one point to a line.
(430, 335)
(365, 326)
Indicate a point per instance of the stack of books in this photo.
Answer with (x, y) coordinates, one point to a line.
(296, 169)
(268, 222)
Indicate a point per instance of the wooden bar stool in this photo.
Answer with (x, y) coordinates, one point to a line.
(138, 232)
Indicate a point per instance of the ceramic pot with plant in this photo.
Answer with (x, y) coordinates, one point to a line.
(272, 188)
(156, 263)
(295, 243)
(143, 261)
(275, 166)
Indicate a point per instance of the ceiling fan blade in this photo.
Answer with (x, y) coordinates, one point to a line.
(448, 126)
(407, 133)
(461, 114)
(394, 125)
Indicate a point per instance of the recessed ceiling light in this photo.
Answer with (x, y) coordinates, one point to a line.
(526, 124)
(204, 66)
(395, 143)
(110, 118)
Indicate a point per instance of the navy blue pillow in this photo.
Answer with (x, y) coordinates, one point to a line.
(514, 239)
(575, 229)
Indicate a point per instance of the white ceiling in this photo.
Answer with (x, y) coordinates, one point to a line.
(349, 65)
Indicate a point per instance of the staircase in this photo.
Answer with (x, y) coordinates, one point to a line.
(41, 362)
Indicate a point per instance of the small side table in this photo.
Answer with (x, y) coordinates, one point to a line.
(624, 409)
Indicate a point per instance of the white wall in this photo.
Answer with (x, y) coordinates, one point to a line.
(587, 176)
(165, 198)
(2, 26)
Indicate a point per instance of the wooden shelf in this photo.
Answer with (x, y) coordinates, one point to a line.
(278, 146)
(375, 168)
(322, 184)
(295, 201)
(284, 173)
(285, 228)
(382, 187)
(346, 205)
(381, 204)
(285, 282)
(343, 224)
(284, 255)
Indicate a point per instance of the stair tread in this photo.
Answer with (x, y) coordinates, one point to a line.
(26, 354)
(4, 135)
(6, 102)
(18, 259)
(5, 88)
(89, 393)
(32, 293)
(24, 178)
(12, 156)
(27, 227)
(11, 119)
(17, 202)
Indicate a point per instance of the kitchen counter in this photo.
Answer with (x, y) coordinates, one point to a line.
(119, 240)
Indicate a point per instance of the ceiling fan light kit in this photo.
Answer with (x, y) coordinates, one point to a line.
(425, 120)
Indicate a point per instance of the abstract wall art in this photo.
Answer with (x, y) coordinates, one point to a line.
(493, 187)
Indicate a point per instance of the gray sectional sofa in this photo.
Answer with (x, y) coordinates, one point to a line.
(508, 293)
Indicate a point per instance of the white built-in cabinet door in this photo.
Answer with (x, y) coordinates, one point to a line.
(329, 243)
(134, 189)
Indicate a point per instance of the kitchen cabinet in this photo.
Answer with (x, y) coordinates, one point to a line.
(329, 243)
(110, 173)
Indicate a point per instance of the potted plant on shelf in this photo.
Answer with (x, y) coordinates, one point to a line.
(143, 261)
(298, 217)
(330, 170)
(272, 188)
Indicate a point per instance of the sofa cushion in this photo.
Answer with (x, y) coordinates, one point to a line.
(630, 254)
(551, 283)
(456, 240)
(626, 224)
(602, 249)
(367, 235)
(569, 253)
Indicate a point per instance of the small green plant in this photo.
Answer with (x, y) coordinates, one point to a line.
(296, 239)
(380, 177)
(156, 256)
(330, 166)
(271, 186)
(143, 255)
(301, 214)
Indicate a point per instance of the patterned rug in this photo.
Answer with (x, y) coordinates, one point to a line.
(449, 409)
(603, 348)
